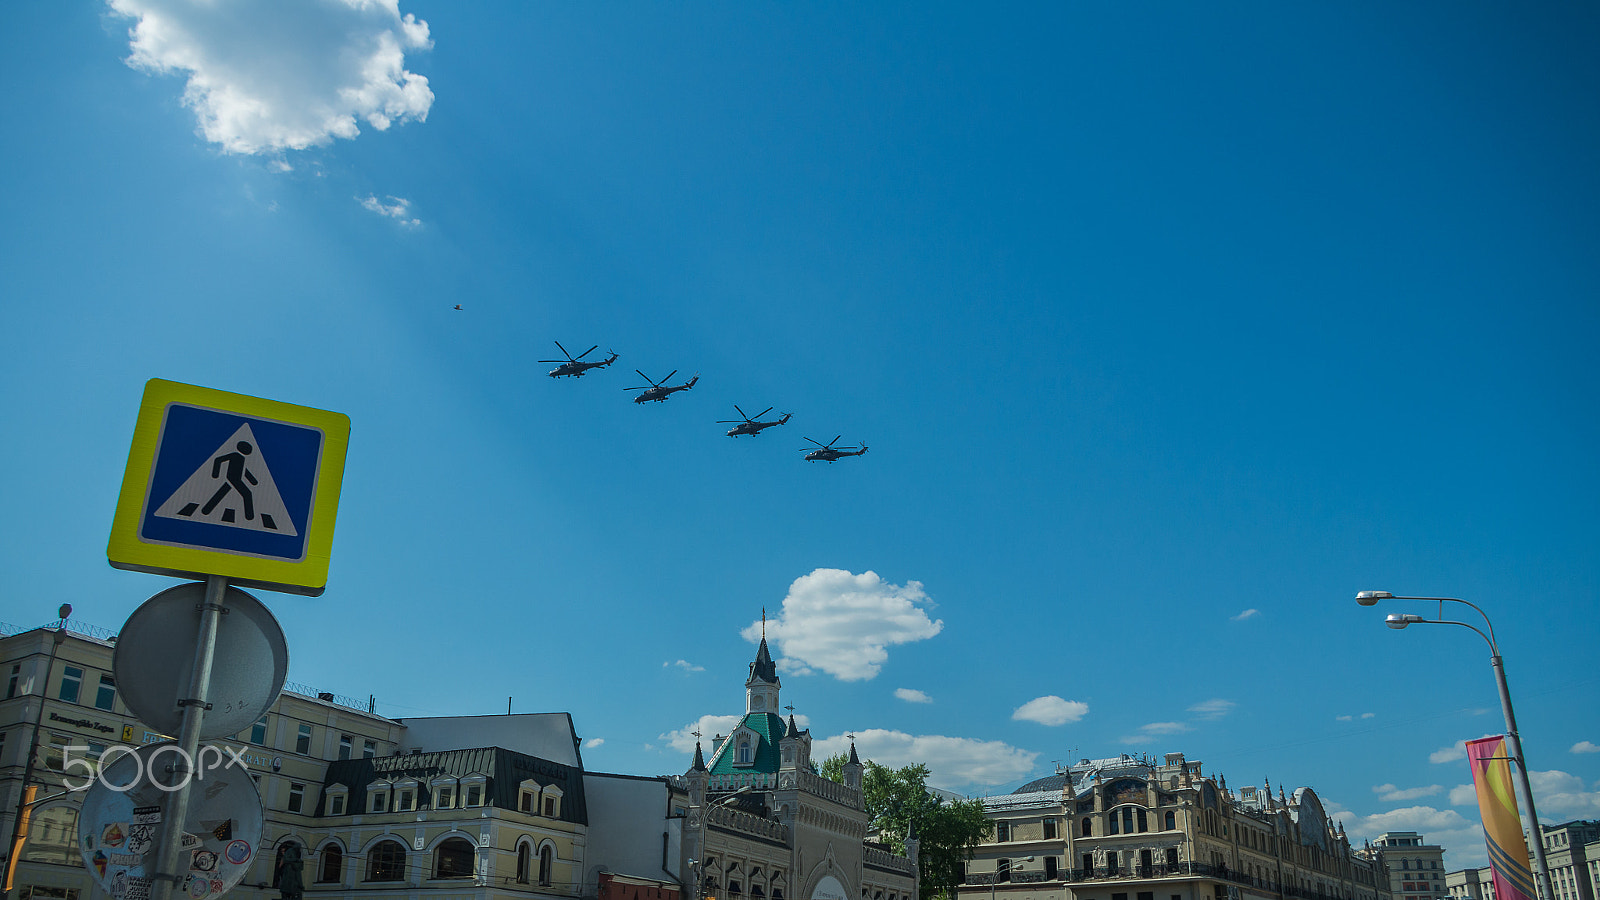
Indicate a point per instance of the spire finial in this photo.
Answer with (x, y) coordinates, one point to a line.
(763, 623)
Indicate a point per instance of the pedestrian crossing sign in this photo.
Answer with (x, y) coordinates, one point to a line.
(230, 485)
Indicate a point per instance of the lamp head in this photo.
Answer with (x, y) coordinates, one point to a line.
(1371, 598)
(65, 611)
(1398, 621)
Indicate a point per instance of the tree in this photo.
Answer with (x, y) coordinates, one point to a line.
(897, 799)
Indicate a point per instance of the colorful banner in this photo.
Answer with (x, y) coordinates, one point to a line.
(1502, 823)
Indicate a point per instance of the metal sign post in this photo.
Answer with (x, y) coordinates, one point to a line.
(194, 706)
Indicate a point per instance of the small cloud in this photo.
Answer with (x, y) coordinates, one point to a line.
(912, 696)
(1149, 732)
(1389, 793)
(844, 624)
(592, 743)
(684, 665)
(265, 77)
(1453, 753)
(1247, 614)
(1368, 715)
(1050, 710)
(1463, 795)
(1353, 718)
(1212, 709)
(1585, 747)
(399, 209)
(953, 762)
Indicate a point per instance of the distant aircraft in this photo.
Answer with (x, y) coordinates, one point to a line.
(660, 390)
(458, 306)
(828, 453)
(748, 424)
(572, 365)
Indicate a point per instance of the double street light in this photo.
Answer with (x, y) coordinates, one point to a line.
(1010, 866)
(1399, 621)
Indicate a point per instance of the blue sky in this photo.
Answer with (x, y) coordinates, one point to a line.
(1169, 327)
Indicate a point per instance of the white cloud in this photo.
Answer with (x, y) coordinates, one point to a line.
(1353, 718)
(683, 739)
(912, 696)
(1446, 827)
(1050, 710)
(1585, 747)
(1149, 732)
(1454, 752)
(398, 209)
(684, 665)
(1389, 793)
(1212, 709)
(266, 76)
(592, 743)
(953, 762)
(1561, 796)
(1463, 795)
(843, 624)
(1247, 614)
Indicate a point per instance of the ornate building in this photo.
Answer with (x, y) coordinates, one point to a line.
(1132, 829)
(763, 825)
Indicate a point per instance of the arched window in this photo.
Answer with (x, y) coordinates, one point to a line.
(283, 852)
(744, 750)
(454, 859)
(386, 861)
(547, 858)
(1087, 829)
(331, 866)
(524, 861)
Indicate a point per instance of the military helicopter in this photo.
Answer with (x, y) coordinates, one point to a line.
(748, 424)
(828, 453)
(572, 365)
(660, 390)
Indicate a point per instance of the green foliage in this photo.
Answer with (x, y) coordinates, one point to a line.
(833, 767)
(899, 798)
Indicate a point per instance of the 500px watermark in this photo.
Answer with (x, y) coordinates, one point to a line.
(175, 774)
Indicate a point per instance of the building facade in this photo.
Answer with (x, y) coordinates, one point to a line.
(1416, 867)
(1134, 829)
(762, 825)
(450, 808)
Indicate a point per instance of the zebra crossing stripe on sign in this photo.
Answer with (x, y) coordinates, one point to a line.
(233, 487)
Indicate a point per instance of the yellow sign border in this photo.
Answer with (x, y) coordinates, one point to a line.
(308, 576)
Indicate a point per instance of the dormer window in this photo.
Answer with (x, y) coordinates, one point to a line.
(337, 797)
(744, 751)
(552, 802)
(528, 797)
(378, 796)
(474, 788)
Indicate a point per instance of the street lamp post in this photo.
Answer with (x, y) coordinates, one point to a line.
(1399, 621)
(1009, 867)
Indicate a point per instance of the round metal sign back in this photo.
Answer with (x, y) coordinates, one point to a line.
(119, 827)
(155, 657)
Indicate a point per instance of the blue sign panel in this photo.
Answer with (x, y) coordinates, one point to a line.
(232, 483)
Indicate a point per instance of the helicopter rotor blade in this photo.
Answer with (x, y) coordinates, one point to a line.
(584, 353)
(824, 446)
(835, 440)
(555, 360)
(760, 414)
(669, 377)
(564, 351)
(740, 412)
(646, 378)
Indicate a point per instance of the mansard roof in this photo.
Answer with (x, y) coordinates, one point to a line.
(506, 770)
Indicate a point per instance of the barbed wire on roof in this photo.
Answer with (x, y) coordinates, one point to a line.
(84, 628)
(307, 690)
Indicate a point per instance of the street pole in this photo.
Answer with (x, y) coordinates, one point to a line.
(1513, 740)
(176, 808)
(1514, 744)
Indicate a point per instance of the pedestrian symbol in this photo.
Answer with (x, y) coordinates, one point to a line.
(224, 484)
(234, 487)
